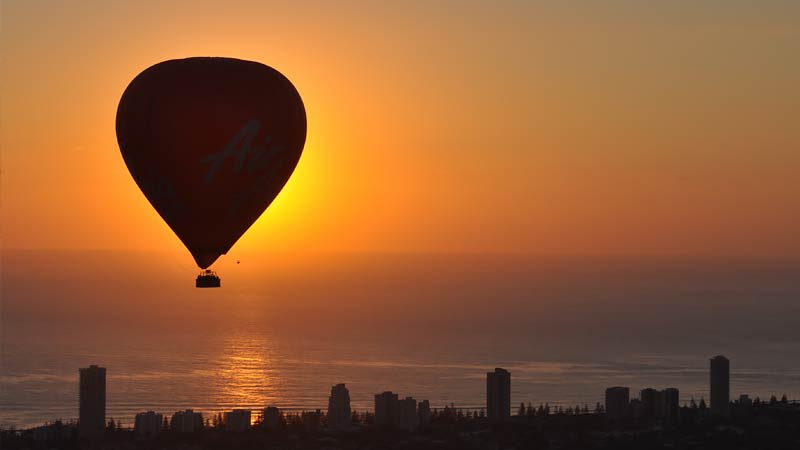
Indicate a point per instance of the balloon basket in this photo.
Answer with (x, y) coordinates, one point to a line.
(207, 279)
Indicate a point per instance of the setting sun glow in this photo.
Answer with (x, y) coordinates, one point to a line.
(534, 128)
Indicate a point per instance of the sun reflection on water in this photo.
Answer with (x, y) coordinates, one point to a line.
(245, 376)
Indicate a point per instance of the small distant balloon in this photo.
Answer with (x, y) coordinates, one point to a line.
(210, 142)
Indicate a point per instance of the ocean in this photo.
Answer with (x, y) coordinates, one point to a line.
(427, 326)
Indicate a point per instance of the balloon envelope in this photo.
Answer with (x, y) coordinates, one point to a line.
(210, 142)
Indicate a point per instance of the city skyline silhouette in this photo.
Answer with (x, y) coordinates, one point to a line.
(392, 414)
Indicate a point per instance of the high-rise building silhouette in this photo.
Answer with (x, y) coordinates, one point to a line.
(617, 402)
(92, 412)
(392, 412)
(339, 413)
(385, 409)
(649, 399)
(498, 395)
(148, 423)
(670, 406)
(720, 385)
(424, 411)
(407, 418)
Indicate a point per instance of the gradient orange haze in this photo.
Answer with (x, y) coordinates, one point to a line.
(620, 127)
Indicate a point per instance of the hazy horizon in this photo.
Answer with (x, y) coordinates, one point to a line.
(543, 293)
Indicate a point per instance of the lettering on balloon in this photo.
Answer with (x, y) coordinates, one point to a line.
(245, 154)
(260, 186)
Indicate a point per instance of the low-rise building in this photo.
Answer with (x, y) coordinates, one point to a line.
(237, 420)
(186, 421)
(272, 418)
(148, 424)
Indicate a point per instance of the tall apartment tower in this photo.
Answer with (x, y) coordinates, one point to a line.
(670, 406)
(617, 402)
(92, 414)
(424, 411)
(650, 406)
(407, 418)
(339, 414)
(720, 385)
(385, 409)
(498, 395)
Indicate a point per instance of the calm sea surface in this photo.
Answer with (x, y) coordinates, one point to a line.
(241, 356)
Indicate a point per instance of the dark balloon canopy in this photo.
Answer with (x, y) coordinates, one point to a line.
(210, 142)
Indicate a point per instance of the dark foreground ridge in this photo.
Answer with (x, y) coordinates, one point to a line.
(774, 425)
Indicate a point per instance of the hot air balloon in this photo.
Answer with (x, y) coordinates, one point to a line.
(210, 142)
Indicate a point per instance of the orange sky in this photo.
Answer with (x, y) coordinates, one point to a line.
(456, 127)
